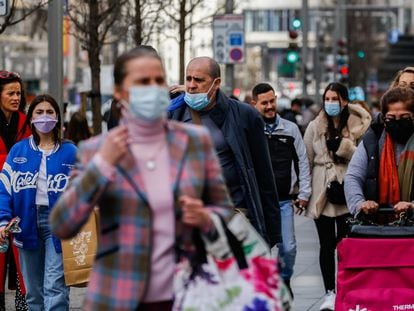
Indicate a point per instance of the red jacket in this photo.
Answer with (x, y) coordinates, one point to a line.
(23, 131)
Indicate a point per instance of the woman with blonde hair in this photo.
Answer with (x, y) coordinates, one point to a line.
(404, 78)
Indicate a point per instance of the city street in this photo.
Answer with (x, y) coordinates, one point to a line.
(306, 283)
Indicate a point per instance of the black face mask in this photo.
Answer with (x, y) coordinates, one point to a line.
(400, 130)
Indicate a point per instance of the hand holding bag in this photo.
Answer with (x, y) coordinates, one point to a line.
(79, 252)
(230, 282)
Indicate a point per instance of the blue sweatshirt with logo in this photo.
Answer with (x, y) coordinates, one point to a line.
(18, 186)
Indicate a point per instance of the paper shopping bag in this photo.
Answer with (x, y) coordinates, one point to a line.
(79, 252)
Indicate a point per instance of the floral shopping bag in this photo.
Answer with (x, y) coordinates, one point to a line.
(236, 282)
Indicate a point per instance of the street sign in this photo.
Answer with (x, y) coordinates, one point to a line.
(228, 38)
(4, 7)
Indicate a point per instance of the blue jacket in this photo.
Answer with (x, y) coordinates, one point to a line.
(18, 184)
(242, 128)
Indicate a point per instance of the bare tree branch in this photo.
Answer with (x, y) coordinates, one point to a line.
(10, 19)
(94, 22)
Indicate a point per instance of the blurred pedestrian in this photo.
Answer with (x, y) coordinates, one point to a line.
(291, 169)
(381, 170)
(35, 173)
(143, 174)
(375, 109)
(237, 132)
(309, 113)
(78, 128)
(363, 104)
(404, 78)
(294, 113)
(248, 99)
(12, 129)
(330, 142)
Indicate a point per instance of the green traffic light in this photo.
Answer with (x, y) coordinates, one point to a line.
(296, 23)
(361, 54)
(292, 57)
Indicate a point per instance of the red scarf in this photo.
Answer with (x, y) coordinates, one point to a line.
(389, 186)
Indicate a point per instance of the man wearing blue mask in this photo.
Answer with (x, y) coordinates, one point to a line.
(237, 132)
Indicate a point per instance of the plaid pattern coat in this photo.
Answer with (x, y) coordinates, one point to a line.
(120, 274)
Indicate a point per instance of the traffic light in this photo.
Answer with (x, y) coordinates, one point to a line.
(360, 54)
(344, 70)
(296, 23)
(293, 34)
(292, 53)
(342, 61)
(292, 56)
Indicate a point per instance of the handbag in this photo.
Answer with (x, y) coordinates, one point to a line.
(228, 276)
(79, 252)
(335, 192)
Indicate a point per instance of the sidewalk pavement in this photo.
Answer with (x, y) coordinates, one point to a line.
(306, 283)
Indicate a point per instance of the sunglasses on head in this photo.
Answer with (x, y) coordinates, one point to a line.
(8, 74)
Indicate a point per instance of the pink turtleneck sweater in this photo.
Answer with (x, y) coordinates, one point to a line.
(148, 142)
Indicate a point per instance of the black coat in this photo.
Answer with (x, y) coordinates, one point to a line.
(243, 129)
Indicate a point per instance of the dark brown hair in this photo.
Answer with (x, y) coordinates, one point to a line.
(120, 63)
(78, 128)
(57, 137)
(342, 93)
(397, 94)
(333, 132)
(7, 77)
(260, 89)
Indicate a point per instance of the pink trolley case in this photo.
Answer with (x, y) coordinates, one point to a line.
(375, 274)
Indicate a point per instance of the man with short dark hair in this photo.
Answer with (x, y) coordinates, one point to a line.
(237, 132)
(290, 168)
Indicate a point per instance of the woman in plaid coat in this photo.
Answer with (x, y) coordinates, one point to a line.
(154, 181)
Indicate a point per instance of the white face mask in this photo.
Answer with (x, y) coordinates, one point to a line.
(148, 103)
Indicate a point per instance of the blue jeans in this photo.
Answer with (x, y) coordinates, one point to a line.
(42, 270)
(287, 250)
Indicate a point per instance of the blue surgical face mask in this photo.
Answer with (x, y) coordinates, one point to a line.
(198, 101)
(148, 103)
(332, 109)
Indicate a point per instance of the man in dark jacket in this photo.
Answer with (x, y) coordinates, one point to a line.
(237, 132)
